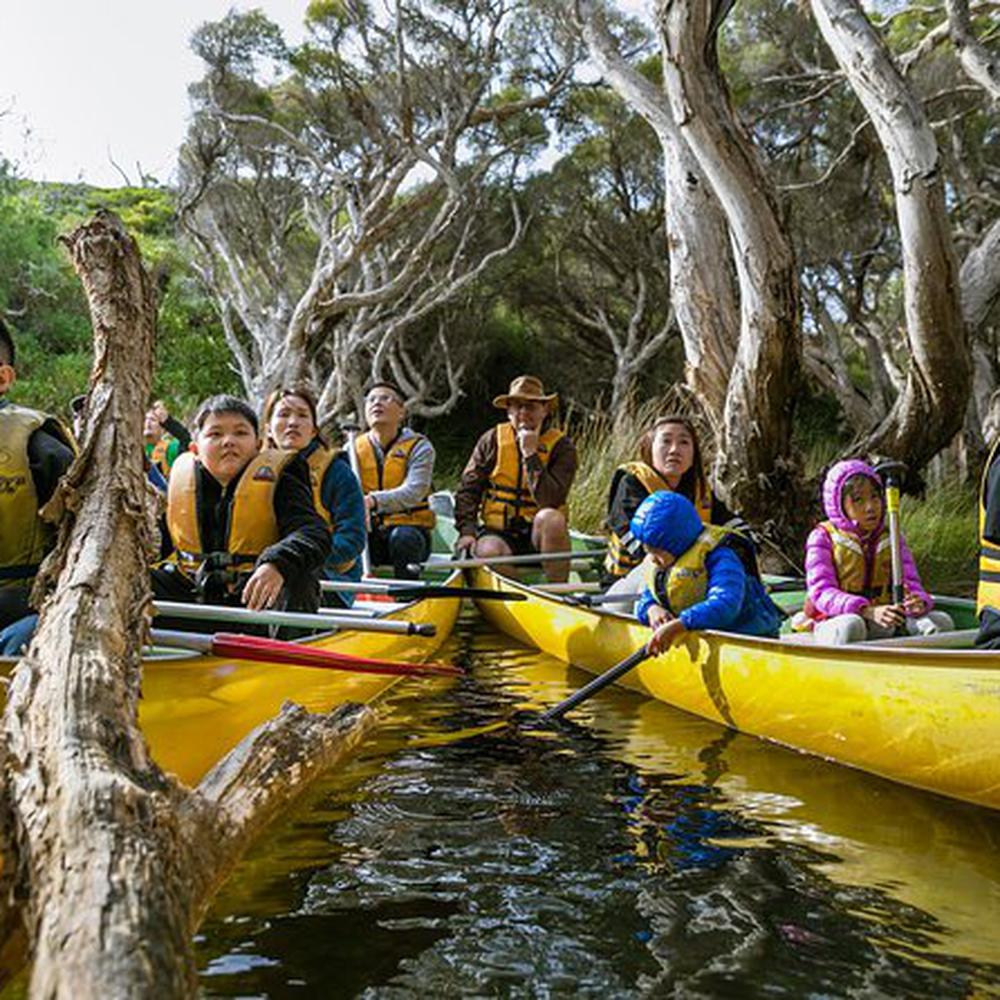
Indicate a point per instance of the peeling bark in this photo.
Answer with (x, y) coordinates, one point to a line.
(931, 406)
(754, 461)
(109, 861)
(702, 285)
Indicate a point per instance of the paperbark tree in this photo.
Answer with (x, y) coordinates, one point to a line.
(702, 286)
(107, 861)
(754, 461)
(931, 407)
(334, 211)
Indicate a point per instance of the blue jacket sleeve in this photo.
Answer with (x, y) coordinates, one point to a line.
(643, 605)
(726, 583)
(342, 497)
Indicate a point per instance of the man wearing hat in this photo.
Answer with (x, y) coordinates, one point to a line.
(512, 497)
(395, 465)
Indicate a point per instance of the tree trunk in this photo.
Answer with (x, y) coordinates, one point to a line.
(116, 860)
(702, 286)
(754, 462)
(931, 407)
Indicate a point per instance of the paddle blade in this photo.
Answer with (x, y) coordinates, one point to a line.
(254, 647)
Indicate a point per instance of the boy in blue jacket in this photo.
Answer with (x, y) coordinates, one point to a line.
(694, 578)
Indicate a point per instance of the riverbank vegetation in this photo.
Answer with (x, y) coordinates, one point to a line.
(541, 221)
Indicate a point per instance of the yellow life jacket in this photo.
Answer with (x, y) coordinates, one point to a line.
(252, 526)
(319, 460)
(685, 583)
(159, 454)
(25, 537)
(619, 561)
(389, 475)
(507, 499)
(849, 562)
(988, 591)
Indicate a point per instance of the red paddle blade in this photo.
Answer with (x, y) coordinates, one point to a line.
(255, 647)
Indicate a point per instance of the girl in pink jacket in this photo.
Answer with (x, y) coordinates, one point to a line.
(849, 566)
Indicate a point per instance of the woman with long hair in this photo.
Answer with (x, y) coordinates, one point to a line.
(669, 459)
(291, 422)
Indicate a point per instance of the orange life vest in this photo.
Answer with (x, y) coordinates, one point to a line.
(252, 526)
(619, 561)
(319, 461)
(507, 499)
(849, 562)
(389, 474)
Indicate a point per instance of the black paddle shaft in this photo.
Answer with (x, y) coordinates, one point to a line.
(597, 684)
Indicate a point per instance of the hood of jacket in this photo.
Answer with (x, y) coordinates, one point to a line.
(833, 492)
(667, 520)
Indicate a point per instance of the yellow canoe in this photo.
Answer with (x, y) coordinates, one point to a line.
(925, 717)
(196, 708)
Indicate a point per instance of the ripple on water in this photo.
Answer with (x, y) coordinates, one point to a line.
(644, 855)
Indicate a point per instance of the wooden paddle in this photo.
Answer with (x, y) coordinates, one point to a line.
(416, 591)
(294, 619)
(597, 684)
(253, 647)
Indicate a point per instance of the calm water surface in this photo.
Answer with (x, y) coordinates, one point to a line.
(641, 852)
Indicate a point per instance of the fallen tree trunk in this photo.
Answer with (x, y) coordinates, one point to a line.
(110, 860)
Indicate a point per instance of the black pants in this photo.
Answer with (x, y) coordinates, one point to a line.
(399, 546)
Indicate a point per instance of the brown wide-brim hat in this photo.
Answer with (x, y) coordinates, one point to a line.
(525, 387)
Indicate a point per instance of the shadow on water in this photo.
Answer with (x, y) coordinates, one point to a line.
(640, 852)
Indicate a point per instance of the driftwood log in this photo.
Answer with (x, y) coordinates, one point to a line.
(109, 863)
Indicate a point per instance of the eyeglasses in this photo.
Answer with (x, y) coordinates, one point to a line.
(382, 397)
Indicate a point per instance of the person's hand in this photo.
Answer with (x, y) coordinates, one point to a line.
(886, 615)
(915, 605)
(664, 635)
(466, 543)
(369, 507)
(657, 615)
(263, 588)
(527, 441)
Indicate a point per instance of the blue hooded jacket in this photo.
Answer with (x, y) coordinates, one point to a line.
(734, 601)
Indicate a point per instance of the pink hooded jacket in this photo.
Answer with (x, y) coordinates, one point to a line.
(825, 595)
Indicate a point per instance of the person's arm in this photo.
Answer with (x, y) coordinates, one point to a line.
(176, 429)
(48, 460)
(304, 540)
(991, 523)
(472, 485)
(727, 582)
(550, 484)
(644, 604)
(912, 585)
(417, 485)
(628, 495)
(341, 495)
(822, 584)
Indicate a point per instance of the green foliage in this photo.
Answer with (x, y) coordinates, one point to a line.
(42, 299)
(941, 531)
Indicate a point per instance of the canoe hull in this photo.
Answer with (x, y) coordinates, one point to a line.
(194, 709)
(927, 718)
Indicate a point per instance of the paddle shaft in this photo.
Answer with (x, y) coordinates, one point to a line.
(417, 591)
(597, 684)
(294, 654)
(294, 619)
(584, 556)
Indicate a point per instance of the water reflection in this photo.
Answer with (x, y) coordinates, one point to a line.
(639, 852)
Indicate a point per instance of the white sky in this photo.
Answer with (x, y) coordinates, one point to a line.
(84, 78)
(87, 81)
